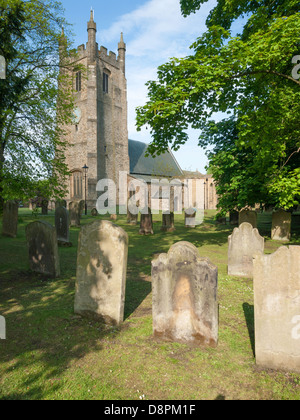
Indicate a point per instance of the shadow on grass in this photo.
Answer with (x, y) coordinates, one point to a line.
(249, 316)
(43, 337)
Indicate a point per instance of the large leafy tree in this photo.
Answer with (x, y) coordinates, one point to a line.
(33, 108)
(256, 151)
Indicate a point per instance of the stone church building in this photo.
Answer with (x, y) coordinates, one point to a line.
(98, 137)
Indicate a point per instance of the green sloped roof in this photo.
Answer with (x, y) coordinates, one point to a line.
(163, 165)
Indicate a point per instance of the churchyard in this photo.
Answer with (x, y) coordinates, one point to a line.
(50, 352)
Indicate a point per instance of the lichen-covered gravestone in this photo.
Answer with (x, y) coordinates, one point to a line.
(248, 216)
(75, 211)
(101, 271)
(244, 243)
(281, 226)
(277, 309)
(10, 219)
(184, 287)
(43, 250)
(146, 224)
(62, 226)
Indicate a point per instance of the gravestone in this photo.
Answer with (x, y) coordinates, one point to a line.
(43, 251)
(234, 218)
(184, 305)
(132, 219)
(281, 226)
(101, 271)
(94, 212)
(243, 244)
(75, 213)
(277, 309)
(113, 217)
(190, 217)
(248, 216)
(82, 207)
(168, 222)
(10, 219)
(146, 224)
(45, 204)
(62, 226)
(60, 203)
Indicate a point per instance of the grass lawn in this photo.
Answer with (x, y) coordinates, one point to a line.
(51, 354)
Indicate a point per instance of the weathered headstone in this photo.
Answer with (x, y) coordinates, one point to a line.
(277, 309)
(146, 224)
(132, 219)
(82, 207)
(45, 204)
(101, 271)
(43, 250)
(94, 212)
(60, 203)
(248, 216)
(168, 222)
(281, 225)
(10, 219)
(234, 218)
(75, 213)
(62, 226)
(190, 217)
(184, 287)
(244, 243)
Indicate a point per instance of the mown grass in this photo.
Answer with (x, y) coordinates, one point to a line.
(51, 354)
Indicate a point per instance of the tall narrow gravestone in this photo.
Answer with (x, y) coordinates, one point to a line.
(248, 216)
(75, 211)
(10, 219)
(43, 251)
(244, 243)
(281, 226)
(62, 226)
(190, 217)
(168, 222)
(101, 271)
(184, 287)
(277, 309)
(146, 224)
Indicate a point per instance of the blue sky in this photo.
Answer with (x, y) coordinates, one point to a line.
(154, 31)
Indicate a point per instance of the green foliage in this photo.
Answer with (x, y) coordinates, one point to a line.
(248, 77)
(33, 111)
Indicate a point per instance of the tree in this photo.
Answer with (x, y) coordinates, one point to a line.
(249, 77)
(33, 109)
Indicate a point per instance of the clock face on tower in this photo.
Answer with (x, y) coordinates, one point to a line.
(76, 115)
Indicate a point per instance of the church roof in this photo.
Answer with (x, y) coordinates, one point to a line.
(164, 165)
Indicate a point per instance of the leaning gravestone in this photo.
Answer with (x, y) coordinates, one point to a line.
(75, 213)
(62, 226)
(248, 216)
(168, 222)
(43, 251)
(244, 243)
(277, 309)
(184, 286)
(10, 219)
(281, 226)
(101, 271)
(190, 217)
(146, 224)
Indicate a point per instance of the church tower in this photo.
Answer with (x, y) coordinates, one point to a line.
(98, 136)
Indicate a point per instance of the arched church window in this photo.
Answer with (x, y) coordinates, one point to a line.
(76, 184)
(105, 82)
